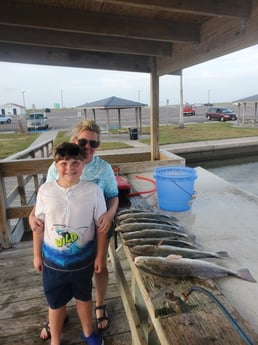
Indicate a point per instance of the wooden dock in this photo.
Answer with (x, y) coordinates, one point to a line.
(23, 309)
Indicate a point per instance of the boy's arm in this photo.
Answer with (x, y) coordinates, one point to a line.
(105, 220)
(100, 260)
(37, 250)
(35, 223)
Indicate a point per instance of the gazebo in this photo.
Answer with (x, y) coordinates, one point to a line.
(244, 101)
(115, 103)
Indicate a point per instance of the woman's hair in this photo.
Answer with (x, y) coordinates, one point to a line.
(86, 125)
(69, 151)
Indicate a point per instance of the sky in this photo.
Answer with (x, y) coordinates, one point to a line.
(224, 79)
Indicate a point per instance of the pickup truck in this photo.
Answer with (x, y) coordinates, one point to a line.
(188, 110)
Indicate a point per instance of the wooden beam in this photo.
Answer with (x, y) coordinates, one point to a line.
(98, 24)
(154, 107)
(138, 337)
(73, 58)
(19, 212)
(210, 8)
(71, 40)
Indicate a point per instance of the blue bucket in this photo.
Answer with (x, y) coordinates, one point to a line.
(175, 187)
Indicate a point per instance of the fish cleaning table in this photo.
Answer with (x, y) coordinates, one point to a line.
(156, 312)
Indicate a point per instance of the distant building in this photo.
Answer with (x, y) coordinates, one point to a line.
(13, 109)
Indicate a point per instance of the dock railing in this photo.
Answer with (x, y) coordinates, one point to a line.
(20, 177)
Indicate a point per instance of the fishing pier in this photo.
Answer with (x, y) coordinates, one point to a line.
(143, 308)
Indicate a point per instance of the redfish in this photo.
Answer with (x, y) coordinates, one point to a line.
(174, 266)
(165, 250)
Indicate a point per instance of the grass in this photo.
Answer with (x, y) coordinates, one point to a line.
(202, 132)
(170, 134)
(11, 143)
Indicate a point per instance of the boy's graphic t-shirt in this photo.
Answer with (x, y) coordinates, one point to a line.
(70, 215)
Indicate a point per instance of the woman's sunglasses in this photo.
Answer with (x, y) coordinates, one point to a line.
(84, 142)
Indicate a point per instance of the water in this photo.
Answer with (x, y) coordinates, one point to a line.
(241, 172)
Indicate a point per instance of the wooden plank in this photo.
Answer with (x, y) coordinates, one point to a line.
(133, 319)
(19, 211)
(24, 309)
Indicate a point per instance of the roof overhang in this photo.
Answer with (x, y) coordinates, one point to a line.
(125, 35)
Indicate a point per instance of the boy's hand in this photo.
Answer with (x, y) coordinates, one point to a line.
(104, 222)
(99, 264)
(38, 263)
(36, 224)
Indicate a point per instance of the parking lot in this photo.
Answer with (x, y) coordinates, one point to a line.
(66, 118)
(63, 119)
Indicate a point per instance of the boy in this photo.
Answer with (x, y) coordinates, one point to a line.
(70, 249)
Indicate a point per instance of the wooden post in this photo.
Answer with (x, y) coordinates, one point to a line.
(140, 117)
(5, 231)
(181, 111)
(119, 118)
(154, 109)
(244, 113)
(108, 126)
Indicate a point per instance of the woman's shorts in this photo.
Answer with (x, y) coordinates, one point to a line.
(61, 286)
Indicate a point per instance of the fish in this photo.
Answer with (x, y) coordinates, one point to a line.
(166, 250)
(174, 266)
(130, 211)
(156, 233)
(138, 226)
(146, 214)
(146, 220)
(183, 243)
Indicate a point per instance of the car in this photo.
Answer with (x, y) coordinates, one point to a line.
(5, 119)
(221, 114)
(37, 121)
(188, 110)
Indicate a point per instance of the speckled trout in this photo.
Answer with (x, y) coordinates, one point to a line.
(145, 214)
(185, 243)
(166, 250)
(138, 226)
(174, 266)
(147, 220)
(157, 233)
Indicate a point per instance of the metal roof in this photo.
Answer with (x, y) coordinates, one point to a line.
(112, 103)
(250, 99)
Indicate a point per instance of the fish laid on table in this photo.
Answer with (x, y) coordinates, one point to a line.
(130, 211)
(174, 266)
(183, 243)
(156, 233)
(127, 227)
(147, 220)
(146, 214)
(166, 250)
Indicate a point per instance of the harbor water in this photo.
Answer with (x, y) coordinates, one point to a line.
(242, 172)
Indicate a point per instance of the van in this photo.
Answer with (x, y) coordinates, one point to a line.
(37, 121)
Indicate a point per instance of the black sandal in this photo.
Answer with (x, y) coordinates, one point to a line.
(102, 318)
(46, 329)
